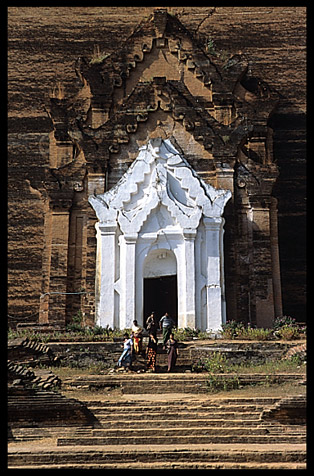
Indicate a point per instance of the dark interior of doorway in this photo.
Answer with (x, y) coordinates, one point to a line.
(160, 295)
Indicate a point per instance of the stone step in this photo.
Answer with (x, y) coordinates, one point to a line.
(198, 384)
(213, 402)
(133, 416)
(145, 383)
(166, 378)
(188, 465)
(153, 409)
(187, 430)
(191, 426)
(30, 434)
(151, 454)
(184, 407)
(181, 439)
(144, 423)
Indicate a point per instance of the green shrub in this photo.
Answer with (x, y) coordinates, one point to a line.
(232, 329)
(288, 332)
(283, 321)
(286, 327)
(75, 327)
(216, 363)
(216, 383)
(188, 333)
(283, 327)
(256, 334)
(76, 323)
(199, 366)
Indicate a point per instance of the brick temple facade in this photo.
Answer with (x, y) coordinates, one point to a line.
(164, 83)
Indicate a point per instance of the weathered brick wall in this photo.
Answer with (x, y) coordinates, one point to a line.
(44, 44)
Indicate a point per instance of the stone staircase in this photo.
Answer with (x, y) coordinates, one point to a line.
(169, 432)
(164, 421)
(178, 423)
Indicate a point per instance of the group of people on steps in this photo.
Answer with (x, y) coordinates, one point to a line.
(133, 344)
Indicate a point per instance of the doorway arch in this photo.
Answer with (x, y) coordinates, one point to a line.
(160, 292)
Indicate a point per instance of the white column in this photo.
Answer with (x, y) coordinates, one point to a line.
(222, 273)
(127, 279)
(180, 257)
(105, 274)
(213, 245)
(189, 278)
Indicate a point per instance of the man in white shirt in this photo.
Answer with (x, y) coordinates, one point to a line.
(166, 324)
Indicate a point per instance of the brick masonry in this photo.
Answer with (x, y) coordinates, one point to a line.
(51, 248)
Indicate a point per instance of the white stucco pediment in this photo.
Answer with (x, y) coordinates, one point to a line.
(159, 176)
(160, 219)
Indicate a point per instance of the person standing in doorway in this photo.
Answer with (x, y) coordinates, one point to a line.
(166, 324)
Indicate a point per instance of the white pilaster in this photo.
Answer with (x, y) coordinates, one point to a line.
(105, 281)
(213, 228)
(189, 277)
(127, 279)
(222, 273)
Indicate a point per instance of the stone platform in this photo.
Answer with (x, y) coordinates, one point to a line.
(84, 354)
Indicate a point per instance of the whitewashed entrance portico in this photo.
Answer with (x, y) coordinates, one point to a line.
(160, 219)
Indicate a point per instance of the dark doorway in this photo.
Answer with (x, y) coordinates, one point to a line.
(160, 295)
